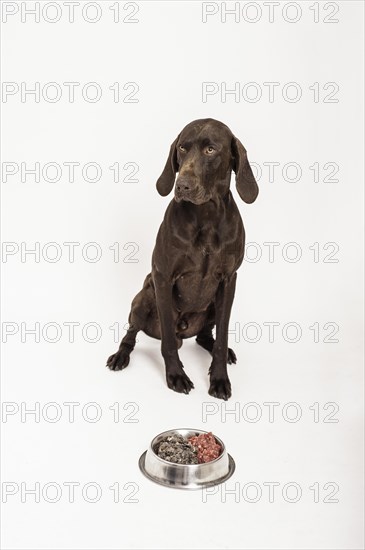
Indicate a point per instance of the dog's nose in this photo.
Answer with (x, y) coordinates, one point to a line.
(183, 185)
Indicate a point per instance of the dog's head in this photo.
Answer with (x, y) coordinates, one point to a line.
(204, 154)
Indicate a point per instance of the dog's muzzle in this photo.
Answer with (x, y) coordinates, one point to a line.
(184, 188)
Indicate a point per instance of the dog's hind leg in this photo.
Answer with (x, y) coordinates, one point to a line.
(137, 319)
(120, 360)
(205, 337)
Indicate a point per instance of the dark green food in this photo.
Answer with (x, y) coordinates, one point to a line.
(175, 448)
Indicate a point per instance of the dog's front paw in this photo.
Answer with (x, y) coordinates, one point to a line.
(220, 388)
(179, 381)
(119, 360)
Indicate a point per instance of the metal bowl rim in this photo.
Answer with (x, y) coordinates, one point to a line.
(175, 464)
(163, 483)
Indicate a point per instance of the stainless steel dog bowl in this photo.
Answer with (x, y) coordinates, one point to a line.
(185, 476)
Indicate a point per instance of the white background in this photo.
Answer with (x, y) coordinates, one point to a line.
(169, 53)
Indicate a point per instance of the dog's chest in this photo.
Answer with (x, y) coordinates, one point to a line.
(194, 292)
(200, 267)
(206, 241)
(206, 257)
(199, 271)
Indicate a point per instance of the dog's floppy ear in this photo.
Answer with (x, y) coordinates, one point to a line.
(167, 179)
(245, 181)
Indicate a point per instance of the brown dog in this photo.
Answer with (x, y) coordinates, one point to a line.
(199, 247)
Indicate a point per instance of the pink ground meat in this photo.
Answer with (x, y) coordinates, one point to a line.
(208, 448)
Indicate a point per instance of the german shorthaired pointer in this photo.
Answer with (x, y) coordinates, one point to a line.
(199, 247)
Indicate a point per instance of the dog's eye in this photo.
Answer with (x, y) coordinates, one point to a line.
(182, 149)
(209, 150)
